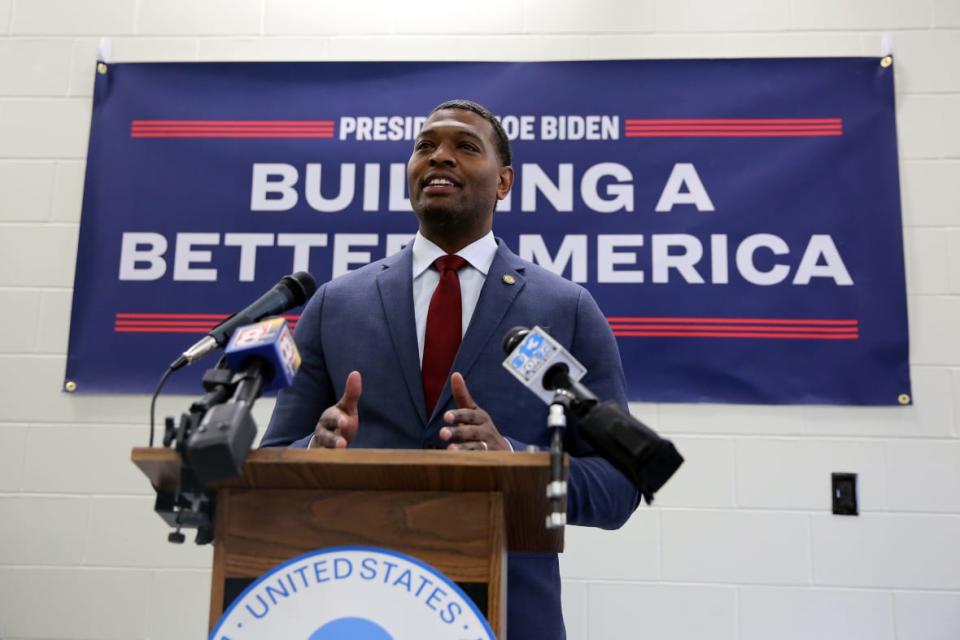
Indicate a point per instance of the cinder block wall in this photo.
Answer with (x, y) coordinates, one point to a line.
(741, 544)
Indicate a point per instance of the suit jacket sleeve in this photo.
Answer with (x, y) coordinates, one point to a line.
(299, 406)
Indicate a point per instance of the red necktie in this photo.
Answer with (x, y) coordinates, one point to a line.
(444, 328)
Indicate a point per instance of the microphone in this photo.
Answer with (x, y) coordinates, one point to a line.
(292, 291)
(544, 367)
(263, 357)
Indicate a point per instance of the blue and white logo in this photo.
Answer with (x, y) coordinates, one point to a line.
(532, 358)
(353, 593)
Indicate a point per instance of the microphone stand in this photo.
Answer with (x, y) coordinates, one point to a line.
(190, 505)
(220, 445)
(213, 438)
(557, 487)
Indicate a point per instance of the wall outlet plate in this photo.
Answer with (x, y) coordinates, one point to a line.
(844, 494)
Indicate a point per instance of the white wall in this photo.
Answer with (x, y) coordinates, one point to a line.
(740, 545)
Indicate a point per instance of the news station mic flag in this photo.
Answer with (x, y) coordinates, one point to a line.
(738, 221)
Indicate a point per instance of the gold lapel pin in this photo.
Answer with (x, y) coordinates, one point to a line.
(509, 279)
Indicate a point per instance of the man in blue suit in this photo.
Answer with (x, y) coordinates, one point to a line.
(372, 345)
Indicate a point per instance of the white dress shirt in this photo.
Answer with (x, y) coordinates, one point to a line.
(479, 256)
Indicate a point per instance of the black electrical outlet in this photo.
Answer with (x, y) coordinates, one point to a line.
(845, 494)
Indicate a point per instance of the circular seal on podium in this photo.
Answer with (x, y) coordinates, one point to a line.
(355, 593)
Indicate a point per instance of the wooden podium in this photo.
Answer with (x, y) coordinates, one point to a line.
(457, 511)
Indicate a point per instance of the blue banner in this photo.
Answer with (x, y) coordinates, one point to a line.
(738, 221)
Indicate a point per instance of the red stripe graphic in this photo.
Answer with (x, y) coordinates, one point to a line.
(175, 322)
(748, 327)
(812, 321)
(735, 129)
(246, 123)
(158, 131)
(226, 128)
(623, 326)
(232, 129)
(731, 134)
(709, 334)
(727, 121)
(760, 328)
(176, 316)
(200, 134)
(205, 326)
(159, 330)
(732, 127)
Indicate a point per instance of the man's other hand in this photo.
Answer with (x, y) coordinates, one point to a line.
(469, 428)
(338, 424)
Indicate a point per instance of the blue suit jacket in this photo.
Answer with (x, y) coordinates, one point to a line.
(364, 320)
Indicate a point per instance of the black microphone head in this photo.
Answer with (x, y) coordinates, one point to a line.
(557, 377)
(301, 285)
(514, 337)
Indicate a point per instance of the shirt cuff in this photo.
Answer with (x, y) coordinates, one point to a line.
(515, 445)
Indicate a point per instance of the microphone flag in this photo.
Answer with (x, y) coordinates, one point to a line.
(533, 357)
(270, 340)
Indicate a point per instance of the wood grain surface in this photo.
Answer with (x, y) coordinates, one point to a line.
(521, 478)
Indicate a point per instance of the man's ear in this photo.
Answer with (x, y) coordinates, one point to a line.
(506, 182)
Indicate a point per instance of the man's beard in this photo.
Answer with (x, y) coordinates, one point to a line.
(452, 218)
(445, 217)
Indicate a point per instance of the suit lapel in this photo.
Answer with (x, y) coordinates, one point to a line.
(395, 283)
(496, 297)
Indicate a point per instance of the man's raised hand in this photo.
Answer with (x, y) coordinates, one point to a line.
(339, 424)
(469, 428)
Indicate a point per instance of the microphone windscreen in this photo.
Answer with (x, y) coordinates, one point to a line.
(302, 285)
(512, 338)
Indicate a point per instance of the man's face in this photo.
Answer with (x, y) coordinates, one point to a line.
(454, 174)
